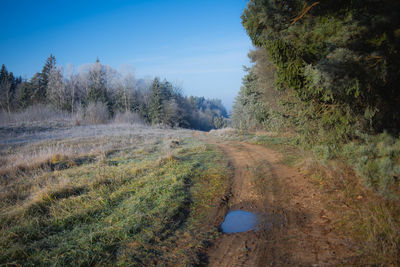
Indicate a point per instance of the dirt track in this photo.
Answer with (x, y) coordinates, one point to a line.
(297, 230)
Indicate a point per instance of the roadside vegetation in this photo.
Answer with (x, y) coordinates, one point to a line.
(324, 82)
(370, 219)
(328, 76)
(116, 194)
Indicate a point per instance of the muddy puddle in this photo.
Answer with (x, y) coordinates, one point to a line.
(237, 221)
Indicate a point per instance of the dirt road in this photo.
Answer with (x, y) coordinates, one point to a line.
(297, 230)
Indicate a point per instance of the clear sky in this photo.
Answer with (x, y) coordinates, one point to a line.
(199, 45)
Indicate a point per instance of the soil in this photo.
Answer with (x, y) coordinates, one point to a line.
(297, 229)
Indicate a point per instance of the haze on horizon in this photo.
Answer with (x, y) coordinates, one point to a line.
(200, 45)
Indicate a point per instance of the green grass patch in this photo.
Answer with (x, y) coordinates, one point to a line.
(137, 206)
(286, 145)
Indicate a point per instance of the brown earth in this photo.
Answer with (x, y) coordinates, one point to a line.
(297, 230)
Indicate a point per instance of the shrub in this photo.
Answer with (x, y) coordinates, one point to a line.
(128, 117)
(376, 158)
(79, 115)
(224, 132)
(378, 162)
(97, 113)
(35, 113)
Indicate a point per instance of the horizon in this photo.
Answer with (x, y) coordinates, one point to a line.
(202, 47)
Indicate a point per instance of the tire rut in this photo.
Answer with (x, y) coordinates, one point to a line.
(297, 229)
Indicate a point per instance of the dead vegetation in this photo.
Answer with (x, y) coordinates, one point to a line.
(370, 220)
(106, 194)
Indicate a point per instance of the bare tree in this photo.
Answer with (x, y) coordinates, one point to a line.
(127, 87)
(57, 91)
(171, 112)
(71, 85)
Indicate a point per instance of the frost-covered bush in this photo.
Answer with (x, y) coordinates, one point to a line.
(128, 117)
(97, 113)
(34, 113)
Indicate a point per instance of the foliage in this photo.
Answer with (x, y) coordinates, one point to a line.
(8, 89)
(155, 105)
(97, 84)
(377, 160)
(96, 113)
(42, 79)
(156, 102)
(206, 113)
(249, 110)
(336, 62)
(335, 69)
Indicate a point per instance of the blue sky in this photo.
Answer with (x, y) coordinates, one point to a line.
(199, 45)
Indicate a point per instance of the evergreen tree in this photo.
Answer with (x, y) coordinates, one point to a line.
(3, 73)
(337, 63)
(98, 92)
(156, 102)
(97, 84)
(5, 89)
(8, 85)
(24, 96)
(42, 79)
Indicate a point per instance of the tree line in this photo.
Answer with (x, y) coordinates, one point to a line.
(154, 101)
(334, 67)
(327, 73)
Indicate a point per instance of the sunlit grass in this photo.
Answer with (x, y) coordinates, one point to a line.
(144, 200)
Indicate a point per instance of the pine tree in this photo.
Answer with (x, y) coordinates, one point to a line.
(337, 63)
(97, 84)
(5, 89)
(3, 73)
(24, 97)
(8, 85)
(156, 102)
(42, 79)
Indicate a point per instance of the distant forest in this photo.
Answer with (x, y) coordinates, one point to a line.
(100, 86)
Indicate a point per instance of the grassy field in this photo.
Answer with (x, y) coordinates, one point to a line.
(125, 195)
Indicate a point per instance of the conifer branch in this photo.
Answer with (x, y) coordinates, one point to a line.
(304, 11)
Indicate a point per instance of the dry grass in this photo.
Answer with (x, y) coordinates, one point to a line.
(97, 113)
(224, 132)
(39, 115)
(128, 118)
(29, 151)
(373, 222)
(116, 194)
(34, 114)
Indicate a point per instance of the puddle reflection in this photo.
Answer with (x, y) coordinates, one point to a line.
(237, 221)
